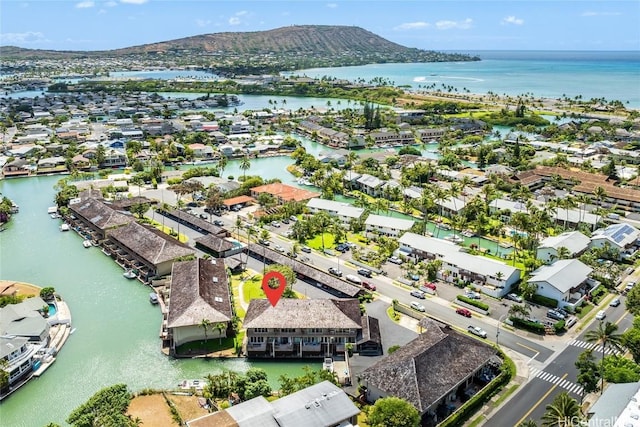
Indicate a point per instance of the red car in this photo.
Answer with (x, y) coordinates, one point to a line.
(430, 285)
(463, 311)
(369, 286)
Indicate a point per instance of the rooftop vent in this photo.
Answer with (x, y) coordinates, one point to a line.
(217, 299)
(215, 280)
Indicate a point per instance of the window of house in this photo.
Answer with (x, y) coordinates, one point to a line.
(260, 330)
(287, 330)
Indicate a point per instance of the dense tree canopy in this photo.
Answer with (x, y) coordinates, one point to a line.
(393, 412)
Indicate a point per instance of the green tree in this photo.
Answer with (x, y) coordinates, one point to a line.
(245, 165)
(631, 339)
(289, 276)
(139, 209)
(633, 301)
(47, 293)
(205, 324)
(221, 327)
(618, 369)
(528, 423)
(588, 372)
(605, 335)
(105, 408)
(564, 411)
(393, 412)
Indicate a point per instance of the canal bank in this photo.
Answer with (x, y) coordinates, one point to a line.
(116, 337)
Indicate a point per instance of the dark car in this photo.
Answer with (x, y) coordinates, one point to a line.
(218, 222)
(342, 247)
(364, 272)
(305, 249)
(463, 312)
(369, 286)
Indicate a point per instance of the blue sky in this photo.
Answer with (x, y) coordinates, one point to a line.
(425, 24)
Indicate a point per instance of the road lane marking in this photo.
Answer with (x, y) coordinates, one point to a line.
(550, 378)
(536, 353)
(544, 396)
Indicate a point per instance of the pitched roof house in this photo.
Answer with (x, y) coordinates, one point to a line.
(574, 241)
(566, 281)
(199, 290)
(430, 370)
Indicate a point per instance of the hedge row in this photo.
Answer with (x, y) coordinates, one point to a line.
(474, 302)
(536, 327)
(471, 406)
(545, 301)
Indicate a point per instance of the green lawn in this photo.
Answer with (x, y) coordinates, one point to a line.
(316, 242)
(252, 289)
(210, 346)
(235, 284)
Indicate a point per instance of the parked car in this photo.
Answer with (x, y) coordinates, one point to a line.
(417, 306)
(364, 272)
(275, 224)
(554, 314)
(204, 216)
(264, 242)
(293, 218)
(395, 260)
(305, 249)
(514, 297)
(335, 271)
(463, 312)
(353, 279)
(285, 220)
(615, 302)
(218, 222)
(475, 330)
(601, 315)
(472, 295)
(428, 285)
(278, 248)
(342, 247)
(418, 294)
(413, 276)
(369, 286)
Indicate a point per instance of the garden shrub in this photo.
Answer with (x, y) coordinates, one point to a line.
(536, 327)
(481, 305)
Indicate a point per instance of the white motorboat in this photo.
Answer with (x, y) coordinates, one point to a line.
(327, 365)
(65, 227)
(87, 243)
(153, 298)
(130, 274)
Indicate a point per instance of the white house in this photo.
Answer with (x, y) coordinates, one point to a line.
(574, 241)
(369, 184)
(343, 211)
(492, 277)
(566, 281)
(386, 226)
(621, 237)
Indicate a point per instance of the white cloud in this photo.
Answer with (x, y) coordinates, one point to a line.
(332, 5)
(134, 1)
(512, 20)
(85, 4)
(592, 13)
(234, 20)
(111, 3)
(22, 38)
(460, 25)
(241, 13)
(203, 22)
(413, 25)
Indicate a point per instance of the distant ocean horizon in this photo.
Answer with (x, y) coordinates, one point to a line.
(612, 75)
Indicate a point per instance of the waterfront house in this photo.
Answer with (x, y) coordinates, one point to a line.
(493, 277)
(621, 237)
(344, 212)
(17, 167)
(435, 372)
(202, 151)
(199, 290)
(320, 405)
(566, 281)
(25, 320)
(146, 249)
(95, 217)
(18, 355)
(378, 225)
(573, 241)
(217, 246)
(301, 328)
(370, 184)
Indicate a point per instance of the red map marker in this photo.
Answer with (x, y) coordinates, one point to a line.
(273, 294)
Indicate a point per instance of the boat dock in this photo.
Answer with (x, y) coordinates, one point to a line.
(58, 335)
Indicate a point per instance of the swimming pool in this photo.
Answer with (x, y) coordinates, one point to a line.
(52, 310)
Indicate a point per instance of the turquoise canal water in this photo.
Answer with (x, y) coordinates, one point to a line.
(116, 338)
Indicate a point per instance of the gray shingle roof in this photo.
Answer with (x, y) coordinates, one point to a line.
(199, 290)
(563, 274)
(150, 244)
(428, 367)
(100, 214)
(575, 241)
(303, 313)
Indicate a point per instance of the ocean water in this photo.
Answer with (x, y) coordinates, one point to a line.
(552, 74)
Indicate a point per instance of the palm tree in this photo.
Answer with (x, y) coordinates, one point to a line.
(222, 164)
(564, 411)
(605, 334)
(205, 324)
(221, 327)
(600, 195)
(245, 165)
(528, 423)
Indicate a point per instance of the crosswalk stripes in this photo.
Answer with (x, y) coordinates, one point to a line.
(596, 348)
(553, 379)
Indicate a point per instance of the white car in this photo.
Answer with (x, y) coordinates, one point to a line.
(395, 260)
(601, 315)
(353, 279)
(475, 330)
(417, 306)
(278, 248)
(615, 302)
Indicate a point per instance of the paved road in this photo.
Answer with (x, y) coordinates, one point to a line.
(557, 376)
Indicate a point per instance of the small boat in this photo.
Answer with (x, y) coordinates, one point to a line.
(87, 243)
(130, 274)
(443, 226)
(72, 331)
(153, 298)
(65, 227)
(454, 238)
(327, 365)
(468, 233)
(189, 384)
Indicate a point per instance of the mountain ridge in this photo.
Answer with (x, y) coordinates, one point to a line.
(323, 41)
